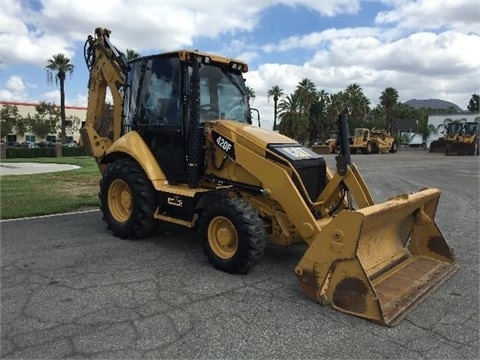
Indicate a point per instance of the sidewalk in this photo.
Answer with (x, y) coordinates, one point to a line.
(32, 168)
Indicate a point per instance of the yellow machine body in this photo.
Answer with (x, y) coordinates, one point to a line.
(372, 141)
(451, 134)
(375, 261)
(467, 142)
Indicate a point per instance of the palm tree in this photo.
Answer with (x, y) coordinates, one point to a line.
(425, 129)
(310, 106)
(319, 114)
(293, 121)
(357, 104)
(59, 65)
(336, 104)
(276, 92)
(307, 93)
(250, 93)
(388, 99)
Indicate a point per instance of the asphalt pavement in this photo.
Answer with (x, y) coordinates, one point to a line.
(71, 290)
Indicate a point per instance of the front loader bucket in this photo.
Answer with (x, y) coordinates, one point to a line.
(379, 262)
(438, 146)
(454, 149)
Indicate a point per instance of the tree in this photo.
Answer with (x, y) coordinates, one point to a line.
(250, 93)
(9, 117)
(474, 104)
(357, 104)
(293, 121)
(425, 129)
(131, 55)
(57, 67)
(45, 121)
(276, 93)
(73, 124)
(310, 106)
(376, 118)
(388, 100)
(22, 126)
(318, 122)
(336, 104)
(307, 93)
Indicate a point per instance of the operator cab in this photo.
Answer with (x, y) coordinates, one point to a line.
(158, 101)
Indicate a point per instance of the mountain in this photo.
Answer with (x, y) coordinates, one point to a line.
(433, 103)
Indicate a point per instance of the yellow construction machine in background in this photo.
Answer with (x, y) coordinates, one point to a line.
(372, 141)
(452, 132)
(181, 148)
(467, 141)
(329, 147)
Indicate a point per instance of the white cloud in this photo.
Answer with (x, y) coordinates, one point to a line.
(461, 15)
(329, 8)
(51, 96)
(15, 89)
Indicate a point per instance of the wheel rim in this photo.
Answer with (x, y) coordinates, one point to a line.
(120, 200)
(222, 237)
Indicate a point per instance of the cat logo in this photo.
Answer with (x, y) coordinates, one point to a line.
(297, 152)
(175, 201)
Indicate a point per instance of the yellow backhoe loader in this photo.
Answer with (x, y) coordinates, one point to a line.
(372, 141)
(181, 148)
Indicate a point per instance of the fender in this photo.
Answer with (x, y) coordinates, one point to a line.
(133, 145)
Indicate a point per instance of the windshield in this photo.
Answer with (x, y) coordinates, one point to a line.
(454, 128)
(471, 128)
(359, 132)
(222, 95)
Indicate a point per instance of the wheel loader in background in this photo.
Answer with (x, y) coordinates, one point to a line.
(181, 149)
(452, 132)
(372, 141)
(466, 143)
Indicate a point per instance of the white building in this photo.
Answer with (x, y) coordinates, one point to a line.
(26, 109)
(436, 120)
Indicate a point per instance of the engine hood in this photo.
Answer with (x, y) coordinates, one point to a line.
(252, 137)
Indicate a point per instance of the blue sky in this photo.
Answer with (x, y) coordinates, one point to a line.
(424, 49)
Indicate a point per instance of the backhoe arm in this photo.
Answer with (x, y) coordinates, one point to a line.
(107, 69)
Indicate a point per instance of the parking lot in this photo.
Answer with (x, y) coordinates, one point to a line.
(69, 289)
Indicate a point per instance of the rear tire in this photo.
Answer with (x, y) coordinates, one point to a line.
(233, 236)
(127, 200)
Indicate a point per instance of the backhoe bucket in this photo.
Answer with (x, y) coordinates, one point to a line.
(381, 261)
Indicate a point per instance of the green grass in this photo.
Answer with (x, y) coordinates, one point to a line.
(50, 193)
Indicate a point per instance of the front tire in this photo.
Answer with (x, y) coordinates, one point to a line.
(233, 236)
(394, 147)
(127, 200)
